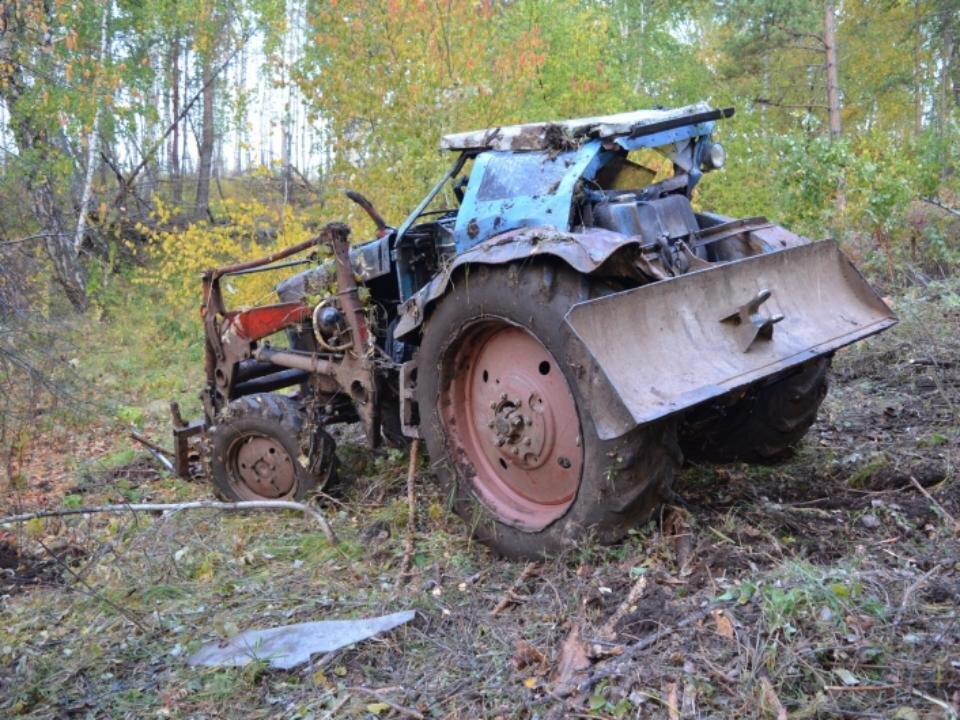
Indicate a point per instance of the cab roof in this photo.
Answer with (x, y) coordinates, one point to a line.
(553, 135)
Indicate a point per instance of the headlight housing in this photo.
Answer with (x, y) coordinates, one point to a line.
(714, 157)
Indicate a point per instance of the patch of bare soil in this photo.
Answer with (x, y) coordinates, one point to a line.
(20, 569)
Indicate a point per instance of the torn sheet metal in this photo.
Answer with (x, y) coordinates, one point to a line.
(540, 135)
(287, 646)
(584, 251)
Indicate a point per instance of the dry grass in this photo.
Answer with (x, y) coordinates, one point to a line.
(838, 584)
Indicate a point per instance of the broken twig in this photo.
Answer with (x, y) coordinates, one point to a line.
(408, 544)
(609, 630)
(177, 507)
(942, 511)
(378, 694)
(510, 596)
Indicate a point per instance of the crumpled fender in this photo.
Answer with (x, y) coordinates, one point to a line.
(583, 251)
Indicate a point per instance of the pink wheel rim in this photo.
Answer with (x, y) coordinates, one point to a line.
(512, 423)
(260, 467)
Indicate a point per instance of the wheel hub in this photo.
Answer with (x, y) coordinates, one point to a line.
(519, 431)
(264, 466)
(509, 413)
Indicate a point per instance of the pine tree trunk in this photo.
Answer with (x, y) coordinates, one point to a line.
(205, 160)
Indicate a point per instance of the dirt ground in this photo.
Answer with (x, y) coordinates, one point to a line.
(828, 586)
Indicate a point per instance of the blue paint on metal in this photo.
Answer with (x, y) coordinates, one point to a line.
(509, 190)
(535, 188)
(667, 137)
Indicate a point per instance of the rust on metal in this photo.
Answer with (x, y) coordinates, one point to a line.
(182, 432)
(510, 414)
(750, 322)
(262, 465)
(670, 330)
(259, 322)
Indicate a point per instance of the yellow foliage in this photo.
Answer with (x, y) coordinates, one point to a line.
(181, 256)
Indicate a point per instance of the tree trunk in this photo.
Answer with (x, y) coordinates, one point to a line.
(33, 141)
(917, 71)
(833, 84)
(93, 141)
(174, 156)
(205, 160)
(833, 89)
(948, 38)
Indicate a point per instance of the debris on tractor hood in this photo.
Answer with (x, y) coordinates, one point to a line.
(544, 135)
(288, 646)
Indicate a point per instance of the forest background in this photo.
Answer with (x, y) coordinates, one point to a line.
(141, 142)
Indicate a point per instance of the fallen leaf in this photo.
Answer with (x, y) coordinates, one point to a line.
(846, 677)
(530, 683)
(377, 708)
(320, 679)
(905, 712)
(724, 624)
(525, 655)
(771, 703)
(573, 659)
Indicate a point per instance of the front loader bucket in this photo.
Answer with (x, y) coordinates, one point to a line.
(665, 347)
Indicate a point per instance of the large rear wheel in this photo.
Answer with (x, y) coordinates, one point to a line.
(765, 426)
(507, 427)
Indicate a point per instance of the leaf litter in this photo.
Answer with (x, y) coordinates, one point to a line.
(757, 601)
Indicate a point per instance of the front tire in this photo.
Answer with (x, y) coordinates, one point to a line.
(507, 428)
(258, 451)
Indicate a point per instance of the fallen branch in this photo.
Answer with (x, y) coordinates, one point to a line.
(510, 596)
(949, 712)
(625, 662)
(378, 694)
(177, 507)
(945, 208)
(409, 542)
(942, 511)
(609, 629)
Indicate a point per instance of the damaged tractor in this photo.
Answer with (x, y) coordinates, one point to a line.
(554, 319)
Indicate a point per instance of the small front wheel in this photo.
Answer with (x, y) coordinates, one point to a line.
(257, 451)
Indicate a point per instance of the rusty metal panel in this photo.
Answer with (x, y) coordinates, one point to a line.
(583, 251)
(658, 349)
(537, 136)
